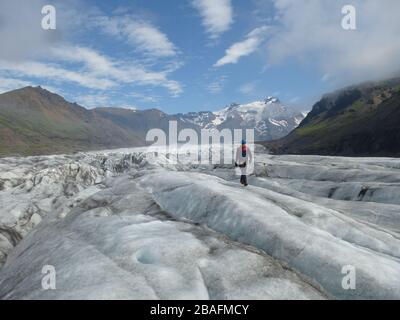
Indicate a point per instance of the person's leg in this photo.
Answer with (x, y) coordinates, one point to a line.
(245, 181)
(242, 179)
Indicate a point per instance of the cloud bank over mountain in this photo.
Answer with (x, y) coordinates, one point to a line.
(311, 32)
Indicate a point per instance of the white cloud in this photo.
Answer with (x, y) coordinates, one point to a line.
(311, 33)
(31, 54)
(145, 97)
(217, 15)
(8, 84)
(248, 88)
(21, 33)
(244, 48)
(93, 70)
(93, 61)
(91, 101)
(142, 35)
(217, 85)
(55, 73)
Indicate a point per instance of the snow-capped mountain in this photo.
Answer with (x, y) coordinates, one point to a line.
(270, 118)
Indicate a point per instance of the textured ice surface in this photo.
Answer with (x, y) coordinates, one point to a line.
(118, 225)
(118, 244)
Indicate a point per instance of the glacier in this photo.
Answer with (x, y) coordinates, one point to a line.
(120, 224)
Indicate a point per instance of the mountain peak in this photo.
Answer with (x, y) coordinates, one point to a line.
(269, 117)
(31, 88)
(36, 90)
(271, 99)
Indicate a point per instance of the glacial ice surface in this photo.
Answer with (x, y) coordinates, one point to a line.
(120, 225)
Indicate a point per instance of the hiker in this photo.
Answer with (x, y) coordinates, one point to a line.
(243, 159)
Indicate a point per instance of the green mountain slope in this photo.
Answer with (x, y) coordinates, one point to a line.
(361, 120)
(35, 121)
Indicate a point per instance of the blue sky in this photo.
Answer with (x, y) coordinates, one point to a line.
(191, 55)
